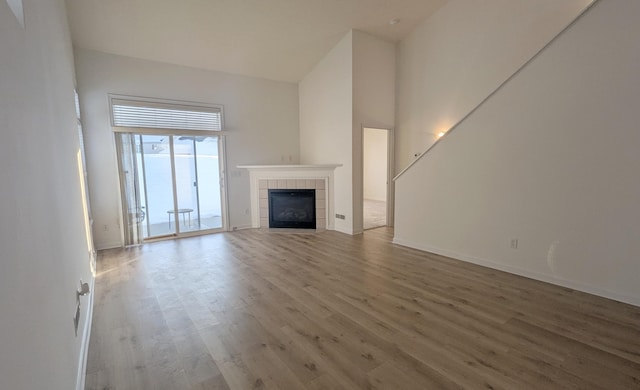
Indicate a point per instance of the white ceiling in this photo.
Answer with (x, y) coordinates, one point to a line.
(273, 39)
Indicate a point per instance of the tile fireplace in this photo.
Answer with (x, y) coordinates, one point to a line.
(292, 177)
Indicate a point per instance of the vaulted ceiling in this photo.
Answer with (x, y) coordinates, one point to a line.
(273, 39)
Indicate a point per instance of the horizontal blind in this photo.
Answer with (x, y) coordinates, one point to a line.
(134, 113)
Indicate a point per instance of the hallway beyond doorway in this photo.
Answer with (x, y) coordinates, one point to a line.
(375, 214)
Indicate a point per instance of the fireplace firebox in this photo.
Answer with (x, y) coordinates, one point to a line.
(292, 208)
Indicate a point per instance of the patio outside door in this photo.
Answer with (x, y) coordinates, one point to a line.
(175, 187)
(196, 161)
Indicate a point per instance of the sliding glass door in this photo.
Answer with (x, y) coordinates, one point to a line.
(198, 182)
(153, 156)
(174, 186)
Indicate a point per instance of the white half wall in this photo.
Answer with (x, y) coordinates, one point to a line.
(462, 53)
(261, 118)
(44, 251)
(550, 160)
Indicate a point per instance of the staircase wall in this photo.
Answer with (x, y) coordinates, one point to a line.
(462, 53)
(550, 160)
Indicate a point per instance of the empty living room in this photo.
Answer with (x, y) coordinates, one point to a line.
(285, 194)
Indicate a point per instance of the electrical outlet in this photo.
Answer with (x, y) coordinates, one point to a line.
(514, 243)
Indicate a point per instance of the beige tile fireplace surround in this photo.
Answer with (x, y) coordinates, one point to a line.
(292, 177)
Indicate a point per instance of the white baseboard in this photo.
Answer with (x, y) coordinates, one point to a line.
(86, 334)
(243, 227)
(344, 230)
(109, 245)
(572, 284)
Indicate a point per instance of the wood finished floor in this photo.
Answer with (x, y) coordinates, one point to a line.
(255, 309)
(374, 214)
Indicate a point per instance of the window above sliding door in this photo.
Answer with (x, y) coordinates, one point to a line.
(134, 112)
(171, 157)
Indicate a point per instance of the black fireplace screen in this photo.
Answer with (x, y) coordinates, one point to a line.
(292, 209)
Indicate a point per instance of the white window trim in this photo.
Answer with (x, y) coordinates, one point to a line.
(166, 103)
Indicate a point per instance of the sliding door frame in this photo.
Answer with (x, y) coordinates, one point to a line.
(222, 158)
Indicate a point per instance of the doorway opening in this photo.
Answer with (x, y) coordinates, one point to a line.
(375, 177)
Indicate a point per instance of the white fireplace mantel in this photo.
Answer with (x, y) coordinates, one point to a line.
(291, 173)
(291, 167)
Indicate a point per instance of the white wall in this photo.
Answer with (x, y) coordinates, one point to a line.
(458, 56)
(375, 164)
(44, 249)
(352, 87)
(261, 117)
(326, 112)
(374, 90)
(552, 160)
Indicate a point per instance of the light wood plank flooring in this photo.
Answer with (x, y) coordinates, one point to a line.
(255, 309)
(374, 214)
